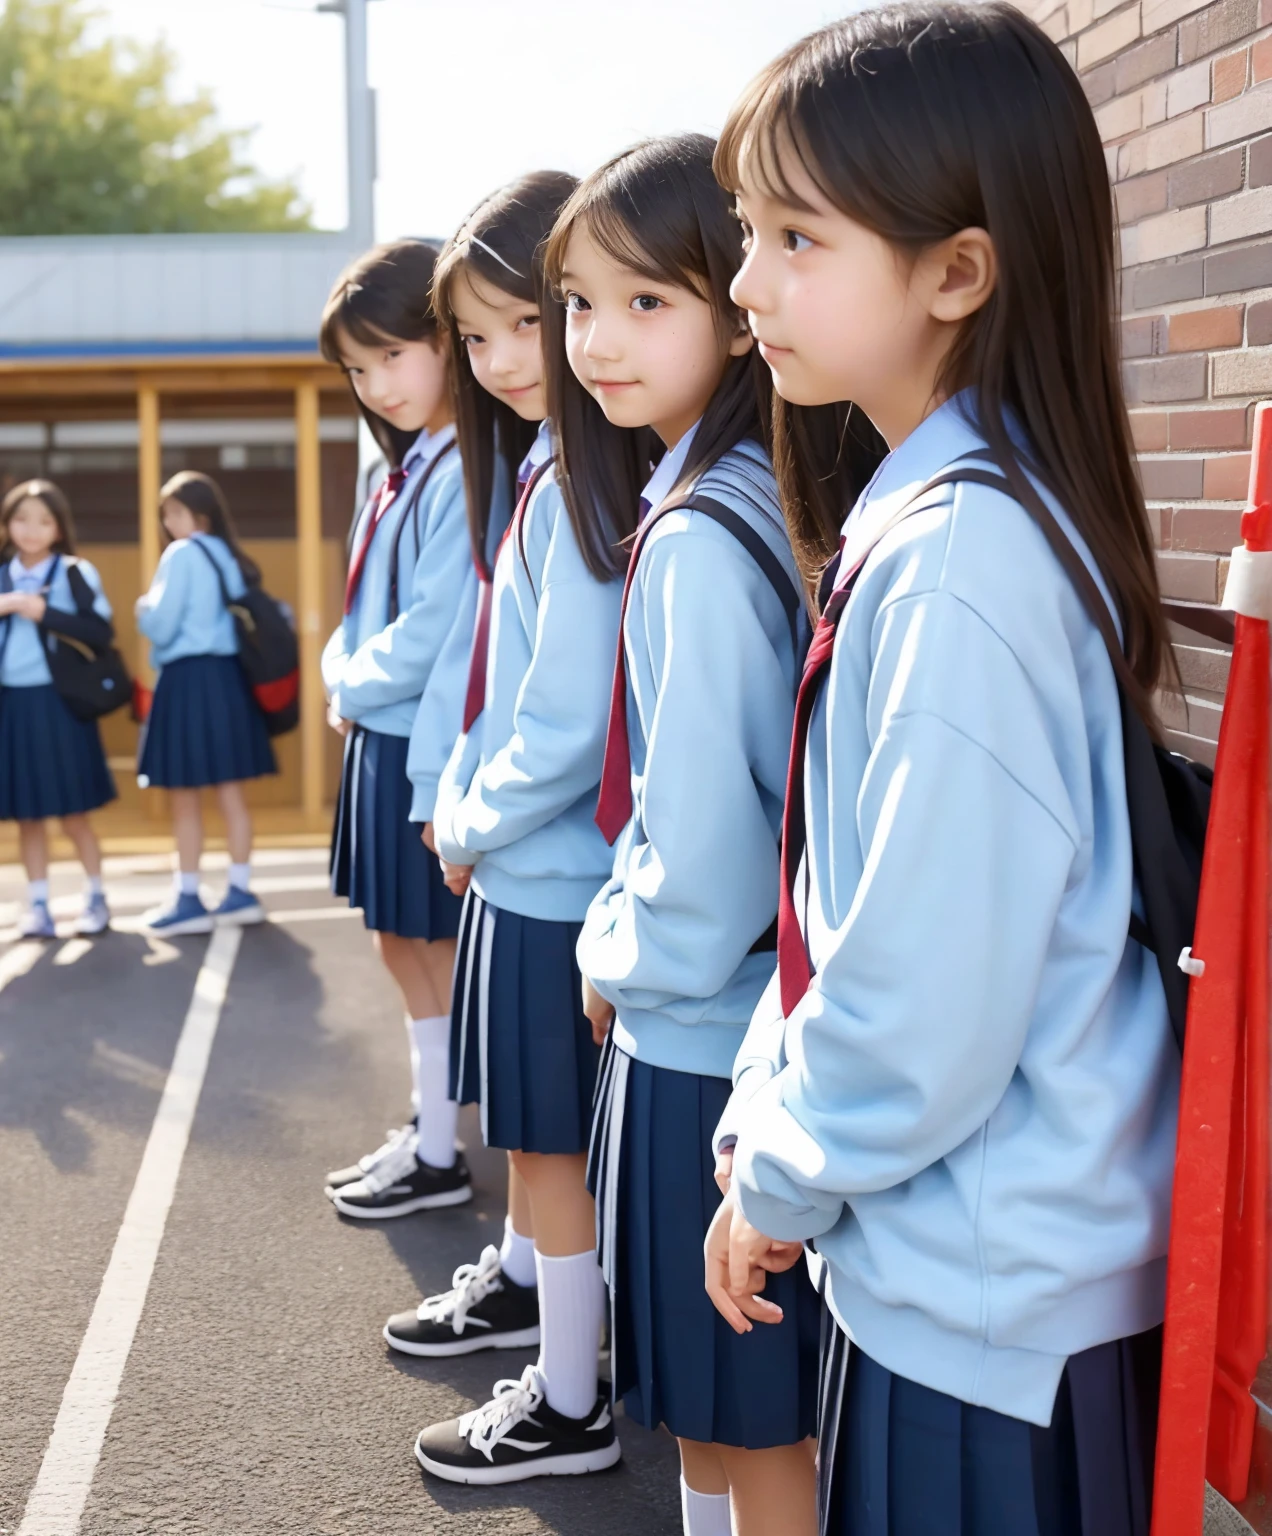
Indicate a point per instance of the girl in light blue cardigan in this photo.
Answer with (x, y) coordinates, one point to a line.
(961, 1087)
(410, 595)
(51, 763)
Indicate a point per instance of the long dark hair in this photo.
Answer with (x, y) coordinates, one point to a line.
(501, 243)
(382, 296)
(658, 209)
(56, 504)
(201, 496)
(918, 121)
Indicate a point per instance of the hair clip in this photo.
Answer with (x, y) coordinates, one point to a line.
(490, 251)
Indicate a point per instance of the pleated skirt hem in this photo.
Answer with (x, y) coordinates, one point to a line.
(205, 728)
(51, 764)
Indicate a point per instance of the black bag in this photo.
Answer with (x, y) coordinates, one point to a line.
(267, 651)
(1167, 794)
(88, 672)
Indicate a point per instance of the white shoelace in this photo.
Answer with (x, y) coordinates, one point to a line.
(395, 1140)
(513, 1403)
(471, 1284)
(398, 1162)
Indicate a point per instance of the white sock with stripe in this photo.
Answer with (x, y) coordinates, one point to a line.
(704, 1514)
(430, 1077)
(571, 1306)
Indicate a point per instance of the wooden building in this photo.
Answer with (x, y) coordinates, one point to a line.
(126, 358)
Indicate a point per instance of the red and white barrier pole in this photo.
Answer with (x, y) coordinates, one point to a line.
(1217, 1286)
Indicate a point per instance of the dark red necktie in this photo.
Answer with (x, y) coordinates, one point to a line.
(614, 802)
(475, 696)
(393, 483)
(794, 963)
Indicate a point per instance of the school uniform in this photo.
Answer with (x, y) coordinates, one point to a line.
(51, 764)
(410, 582)
(679, 940)
(204, 727)
(971, 1110)
(517, 802)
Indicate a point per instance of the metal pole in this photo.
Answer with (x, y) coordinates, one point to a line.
(360, 120)
(313, 702)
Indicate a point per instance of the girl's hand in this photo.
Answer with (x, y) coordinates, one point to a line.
(427, 838)
(599, 1012)
(738, 1260)
(724, 1169)
(337, 722)
(8, 603)
(458, 877)
(29, 605)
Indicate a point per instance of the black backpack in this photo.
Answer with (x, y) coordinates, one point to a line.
(87, 670)
(1167, 794)
(267, 650)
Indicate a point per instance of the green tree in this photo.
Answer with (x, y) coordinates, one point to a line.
(93, 142)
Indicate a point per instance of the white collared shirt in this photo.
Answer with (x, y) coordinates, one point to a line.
(29, 578)
(540, 451)
(669, 466)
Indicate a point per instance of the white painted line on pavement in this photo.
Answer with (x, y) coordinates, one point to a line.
(57, 1500)
(72, 950)
(19, 960)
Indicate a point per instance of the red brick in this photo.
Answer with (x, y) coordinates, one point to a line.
(1198, 181)
(1259, 324)
(1208, 530)
(1143, 336)
(1226, 479)
(1233, 271)
(1200, 330)
(1261, 58)
(1100, 84)
(1159, 525)
(1265, 13)
(1149, 431)
(1228, 78)
(1216, 27)
(1144, 195)
(1228, 427)
(1171, 479)
(1192, 578)
(1166, 283)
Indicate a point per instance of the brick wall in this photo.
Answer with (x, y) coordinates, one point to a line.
(1182, 92)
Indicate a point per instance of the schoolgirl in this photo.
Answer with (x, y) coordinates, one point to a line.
(51, 763)
(514, 827)
(970, 1102)
(677, 946)
(410, 586)
(204, 729)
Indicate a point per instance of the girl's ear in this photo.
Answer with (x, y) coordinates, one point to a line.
(955, 278)
(741, 341)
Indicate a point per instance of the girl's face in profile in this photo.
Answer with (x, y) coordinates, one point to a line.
(501, 334)
(650, 353)
(178, 520)
(402, 381)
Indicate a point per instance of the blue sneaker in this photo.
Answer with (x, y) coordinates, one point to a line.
(187, 914)
(38, 922)
(95, 918)
(240, 909)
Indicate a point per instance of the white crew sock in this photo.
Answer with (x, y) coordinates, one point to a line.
(571, 1306)
(240, 876)
(186, 882)
(516, 1256)
(704, 1514)
(37, 890)
(95, 886)
(430, 1075)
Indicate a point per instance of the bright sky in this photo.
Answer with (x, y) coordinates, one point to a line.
(470, 92)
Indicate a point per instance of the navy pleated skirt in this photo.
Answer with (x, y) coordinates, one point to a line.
(898, 1459)
(676, 1361)
(51, 764)
(377, 859)
(204, 728)
(521, 1045)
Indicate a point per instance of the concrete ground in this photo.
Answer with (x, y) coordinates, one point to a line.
(258, 1398)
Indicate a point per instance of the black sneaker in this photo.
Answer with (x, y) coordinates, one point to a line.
(484, 1310)
(516, 1436)
(401, 1183)
(393, 1139)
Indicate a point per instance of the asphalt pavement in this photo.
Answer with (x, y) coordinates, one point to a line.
(258, 1398)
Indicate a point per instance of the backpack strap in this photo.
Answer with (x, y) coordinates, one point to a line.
(220, 574)
(411, 514)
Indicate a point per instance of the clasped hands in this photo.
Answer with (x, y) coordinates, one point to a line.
(23, 605)
(739, 1259)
